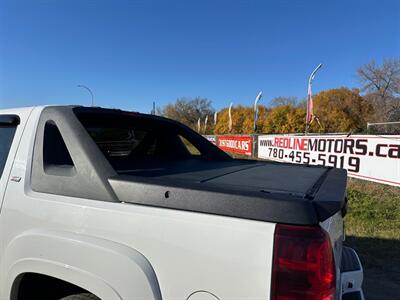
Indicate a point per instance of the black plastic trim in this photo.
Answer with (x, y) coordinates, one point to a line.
(352, 296)
(9, 120)
(279, 208)
(331, 195)
(88, 178)
(349, 261)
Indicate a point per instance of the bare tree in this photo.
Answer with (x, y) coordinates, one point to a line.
(381, 83)
(281, 100)
(188, 111)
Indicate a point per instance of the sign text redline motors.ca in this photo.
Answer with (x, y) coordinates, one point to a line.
(375, 158)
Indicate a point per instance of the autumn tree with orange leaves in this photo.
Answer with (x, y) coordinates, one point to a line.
(341, 110)
(242, 120)
(285, 119)
(337, 110)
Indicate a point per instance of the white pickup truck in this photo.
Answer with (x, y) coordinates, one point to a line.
(105, 204)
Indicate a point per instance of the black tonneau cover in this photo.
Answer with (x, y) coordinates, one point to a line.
(265, 191)
(213, 183)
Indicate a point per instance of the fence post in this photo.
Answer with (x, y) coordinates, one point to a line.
(254, 139)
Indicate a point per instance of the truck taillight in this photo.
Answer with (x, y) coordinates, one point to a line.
(303, 264)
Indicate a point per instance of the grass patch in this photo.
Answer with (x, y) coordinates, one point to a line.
(374, 210)
(373, 230)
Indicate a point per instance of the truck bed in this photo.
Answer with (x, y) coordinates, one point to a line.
(236, 174)
(265, 191)
(142, 159)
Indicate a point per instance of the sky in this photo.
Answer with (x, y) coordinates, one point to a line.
(131, 53)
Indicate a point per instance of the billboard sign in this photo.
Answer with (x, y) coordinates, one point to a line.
(375, 158)
(240, 144)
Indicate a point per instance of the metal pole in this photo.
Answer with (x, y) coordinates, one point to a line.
(258, 98)
(89, 90)
(383, 123)
(310, 79)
